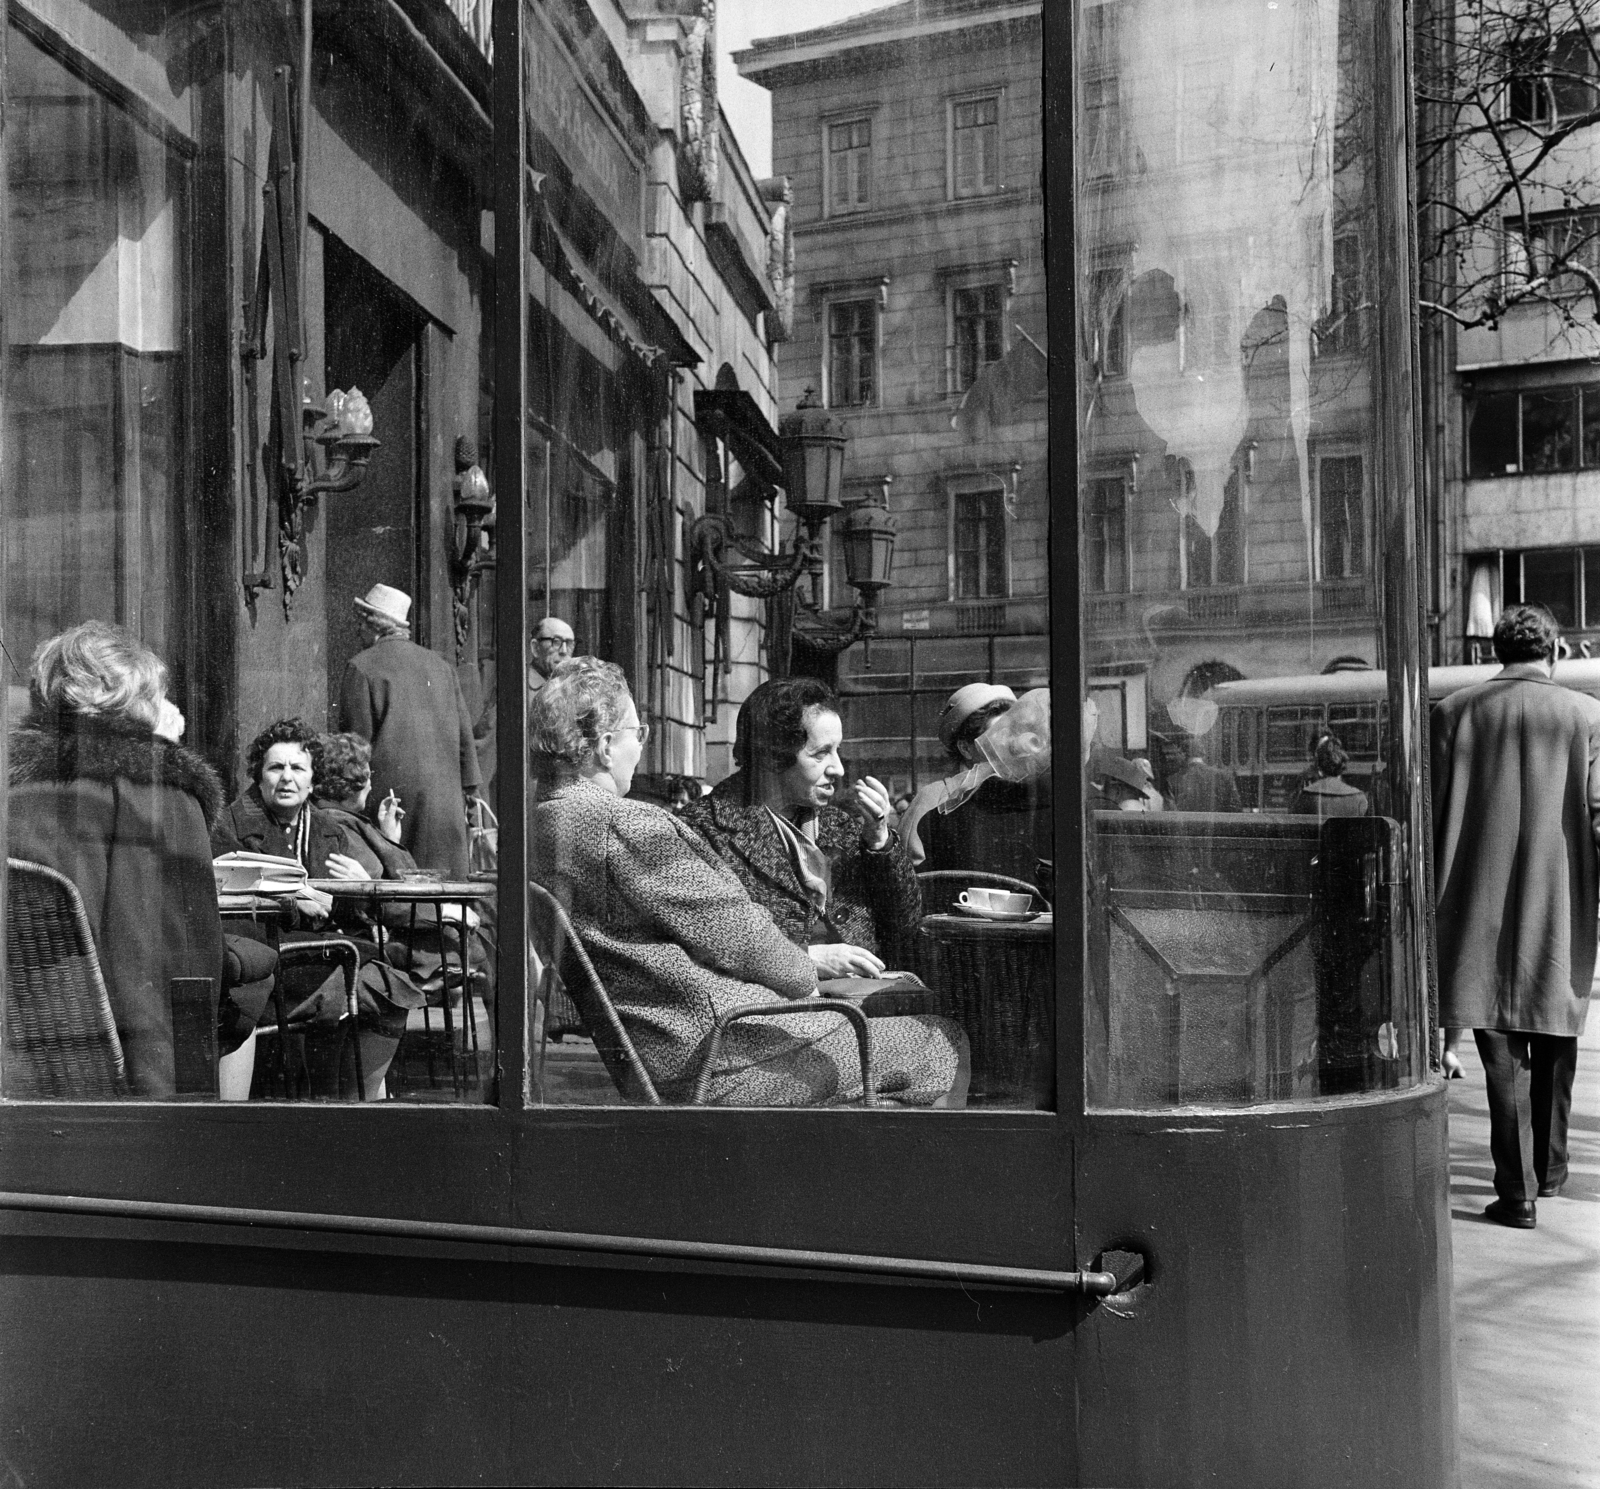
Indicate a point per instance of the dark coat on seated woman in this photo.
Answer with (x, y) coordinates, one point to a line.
(1004, 827)
(875, 901)
(125, 815)
(245, 824)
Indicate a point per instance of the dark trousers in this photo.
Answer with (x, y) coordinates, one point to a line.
(1529, 1077)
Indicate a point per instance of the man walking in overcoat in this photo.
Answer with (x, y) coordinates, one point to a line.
(1516, 809)
(407, 701)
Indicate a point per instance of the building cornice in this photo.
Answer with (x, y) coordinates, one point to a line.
(784, 58)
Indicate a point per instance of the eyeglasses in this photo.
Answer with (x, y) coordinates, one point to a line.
(565, 641)
(642, 730)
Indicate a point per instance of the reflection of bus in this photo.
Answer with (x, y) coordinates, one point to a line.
(1267, 728)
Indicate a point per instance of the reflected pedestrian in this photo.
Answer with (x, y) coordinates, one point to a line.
(406, 701)
(1516, 810)
(1327, 793)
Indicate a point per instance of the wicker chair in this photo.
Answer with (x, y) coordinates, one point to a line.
(60, 1037)
(567, 968)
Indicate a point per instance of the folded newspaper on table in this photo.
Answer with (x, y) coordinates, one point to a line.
(257, 873)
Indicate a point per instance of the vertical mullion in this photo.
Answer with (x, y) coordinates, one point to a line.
(510, 456)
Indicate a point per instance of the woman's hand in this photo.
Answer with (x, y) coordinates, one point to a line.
(342, 867)
(870, 802)
(839, 959)
(314, 905)
(390, 813)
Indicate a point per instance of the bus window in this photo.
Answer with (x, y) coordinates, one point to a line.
(1241, 948)
(1356, 728)
(1291, 733)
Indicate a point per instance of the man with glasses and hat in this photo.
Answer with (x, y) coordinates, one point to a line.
(406, 700)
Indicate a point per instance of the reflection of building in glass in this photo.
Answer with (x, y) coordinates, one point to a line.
(1514, 442)
(912, 137)
(1226, 224)
(145, 452)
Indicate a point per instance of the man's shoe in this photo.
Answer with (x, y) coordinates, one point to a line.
(1552, 1191)
(1517, 1213)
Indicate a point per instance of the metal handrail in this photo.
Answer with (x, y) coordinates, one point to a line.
(1091, 1284)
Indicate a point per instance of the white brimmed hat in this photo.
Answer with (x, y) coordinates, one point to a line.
(387, 603)
(965, 702)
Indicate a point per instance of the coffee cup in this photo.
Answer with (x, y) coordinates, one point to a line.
(995, 901)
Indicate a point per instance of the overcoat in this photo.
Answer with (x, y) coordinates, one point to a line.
(124, 814)
(1516, 775)
(407, 701)
(677, 942)
(876, 902)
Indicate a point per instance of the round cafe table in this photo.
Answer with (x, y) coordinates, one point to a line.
(997, 981)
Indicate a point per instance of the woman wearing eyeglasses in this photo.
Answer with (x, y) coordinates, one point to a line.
(676, 939)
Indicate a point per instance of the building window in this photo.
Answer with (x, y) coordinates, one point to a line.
(977, 323)
(1105, 536)
(96, 284)
(1102, 122)
(1552, 78)
(978, 545)
(975, 146)
(1343, 330)
(1341, 516)
(850, 165)
(1216, 557)
(1550, 253)
(1533, 431)
(852, 353)
(1109, 294)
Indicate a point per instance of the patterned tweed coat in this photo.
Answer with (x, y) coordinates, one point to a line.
(677, 942)
(876, 901)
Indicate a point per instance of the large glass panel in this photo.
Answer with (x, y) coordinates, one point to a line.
(822, 546)
(1252, 825)
(250, 828)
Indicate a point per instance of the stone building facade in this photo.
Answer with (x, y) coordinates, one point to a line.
(911, 137)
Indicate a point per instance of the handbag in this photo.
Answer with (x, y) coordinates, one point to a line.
(483, 840)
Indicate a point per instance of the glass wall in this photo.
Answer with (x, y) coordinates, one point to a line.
(1250, 755)
(246, 856)
(860, 858)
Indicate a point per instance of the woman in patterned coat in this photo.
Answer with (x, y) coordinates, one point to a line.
(677, 941)
(835, 877)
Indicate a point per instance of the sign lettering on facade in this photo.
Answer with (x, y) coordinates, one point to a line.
(914, 620)
(561, 108)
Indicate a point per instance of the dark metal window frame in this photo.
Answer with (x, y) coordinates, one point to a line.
(1003, 1179)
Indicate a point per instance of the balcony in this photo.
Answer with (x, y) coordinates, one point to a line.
(1230, 607)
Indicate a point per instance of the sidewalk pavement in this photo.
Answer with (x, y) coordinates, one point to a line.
(1527, 1303)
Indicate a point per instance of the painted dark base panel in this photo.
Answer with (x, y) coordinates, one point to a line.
(1296, 1326)
(217, 1365)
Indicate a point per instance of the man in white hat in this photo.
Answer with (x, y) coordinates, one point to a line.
(407, 701)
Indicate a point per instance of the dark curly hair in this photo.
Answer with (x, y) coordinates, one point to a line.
(285, 731)
(346, 767)
(771, 728)
(1526, 633)
(1331, 756)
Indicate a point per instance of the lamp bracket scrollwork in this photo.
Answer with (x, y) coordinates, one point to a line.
(762, 574)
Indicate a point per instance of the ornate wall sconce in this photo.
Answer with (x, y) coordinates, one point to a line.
(868, 540)
(471, 535)
(813, 444)
(339, 444)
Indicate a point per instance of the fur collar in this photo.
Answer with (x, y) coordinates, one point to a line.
(64, 748)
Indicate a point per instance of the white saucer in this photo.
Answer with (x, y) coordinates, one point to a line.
(1016, 917)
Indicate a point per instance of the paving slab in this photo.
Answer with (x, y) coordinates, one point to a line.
(1527, 1303)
